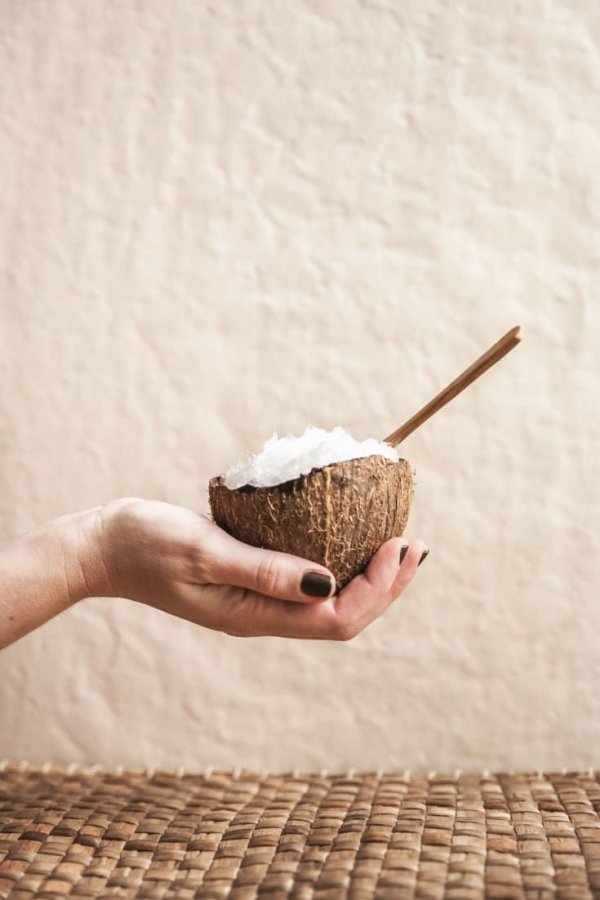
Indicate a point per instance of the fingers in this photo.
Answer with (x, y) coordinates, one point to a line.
(413, 554)
(370, 594)
(336, 618)
(367, 596)
(265, 572)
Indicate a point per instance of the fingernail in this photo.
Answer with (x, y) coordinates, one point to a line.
(315, 584)
(403, 553)
(424, 555)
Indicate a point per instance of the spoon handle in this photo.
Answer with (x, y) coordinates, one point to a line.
(481, 365)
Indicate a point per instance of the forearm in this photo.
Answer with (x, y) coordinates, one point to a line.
(45, 572)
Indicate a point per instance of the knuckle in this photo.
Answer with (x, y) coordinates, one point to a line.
(345, 629)
(202, 554)
(199, 559)
(267, 576)
(235, 632)
(243, 619)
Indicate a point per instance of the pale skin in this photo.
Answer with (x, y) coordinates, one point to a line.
(182, 563)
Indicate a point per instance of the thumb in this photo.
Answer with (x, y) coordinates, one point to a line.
(267, 572)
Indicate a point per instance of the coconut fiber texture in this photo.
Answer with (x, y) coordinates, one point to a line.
(242, 835)
(338, 515)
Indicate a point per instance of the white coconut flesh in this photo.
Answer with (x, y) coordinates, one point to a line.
(286, 458)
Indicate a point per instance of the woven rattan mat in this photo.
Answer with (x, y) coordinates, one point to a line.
(240, 835)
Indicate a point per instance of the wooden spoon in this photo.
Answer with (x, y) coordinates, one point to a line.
(481, 365)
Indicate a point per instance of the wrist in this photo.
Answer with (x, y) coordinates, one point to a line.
(84, 568)
(46, 571)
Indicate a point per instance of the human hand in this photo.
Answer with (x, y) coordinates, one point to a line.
(182, 563)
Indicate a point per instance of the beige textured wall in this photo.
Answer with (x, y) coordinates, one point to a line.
(221, 219)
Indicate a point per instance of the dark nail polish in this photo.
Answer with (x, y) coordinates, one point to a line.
(424, 555)
(315, 584)
(403, 553)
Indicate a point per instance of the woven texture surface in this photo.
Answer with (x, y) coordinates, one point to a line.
(241, 835)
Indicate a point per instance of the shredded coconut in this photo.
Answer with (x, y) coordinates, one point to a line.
(285, 458)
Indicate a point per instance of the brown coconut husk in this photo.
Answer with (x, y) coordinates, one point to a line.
(338, 515)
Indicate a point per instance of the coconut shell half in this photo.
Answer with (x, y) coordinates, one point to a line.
(338, 515)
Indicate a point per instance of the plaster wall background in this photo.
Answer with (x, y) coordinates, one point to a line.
(224, 219)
